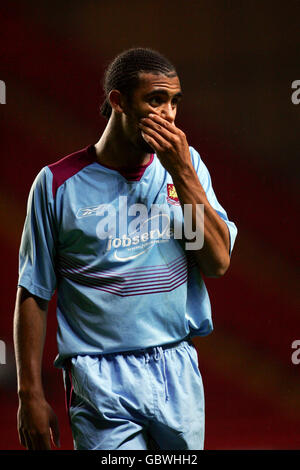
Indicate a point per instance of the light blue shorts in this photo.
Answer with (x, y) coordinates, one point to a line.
(146, 399)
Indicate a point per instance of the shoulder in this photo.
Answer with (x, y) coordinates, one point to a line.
(197, 161)
(68, 166)
(195, 156)
(200, 168)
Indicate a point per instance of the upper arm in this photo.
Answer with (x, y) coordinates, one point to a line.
(23, 295)
(206, 183)
(37, 272)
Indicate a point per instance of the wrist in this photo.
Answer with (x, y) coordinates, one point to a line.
(183, 174)
(30, 393)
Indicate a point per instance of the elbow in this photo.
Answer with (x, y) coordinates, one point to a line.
(219, 268)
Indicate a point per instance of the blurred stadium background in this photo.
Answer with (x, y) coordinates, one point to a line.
(236, 60)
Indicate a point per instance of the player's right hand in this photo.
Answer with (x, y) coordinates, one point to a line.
(37, 424)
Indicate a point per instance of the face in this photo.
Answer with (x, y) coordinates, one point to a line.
(156, 94)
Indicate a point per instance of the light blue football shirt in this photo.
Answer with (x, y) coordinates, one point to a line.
(124, 282)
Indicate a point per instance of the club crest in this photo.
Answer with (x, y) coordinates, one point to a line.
(172, 197)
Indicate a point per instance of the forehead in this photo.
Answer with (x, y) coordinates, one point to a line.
(149, 82)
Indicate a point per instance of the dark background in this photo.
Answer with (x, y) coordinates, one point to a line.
(237, 61)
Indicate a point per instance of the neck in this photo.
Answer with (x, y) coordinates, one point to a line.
(115, 150)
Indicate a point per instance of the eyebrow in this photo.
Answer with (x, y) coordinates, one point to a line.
(162, 91)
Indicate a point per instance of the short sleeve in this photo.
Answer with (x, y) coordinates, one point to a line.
(206, 183)
(37, 249)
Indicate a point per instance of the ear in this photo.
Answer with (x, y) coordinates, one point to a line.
(117, 101)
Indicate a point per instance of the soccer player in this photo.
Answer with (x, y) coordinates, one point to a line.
(124, 229)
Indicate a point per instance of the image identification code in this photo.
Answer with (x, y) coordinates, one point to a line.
(150, 459)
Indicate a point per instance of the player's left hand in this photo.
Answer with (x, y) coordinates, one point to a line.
(168, 141)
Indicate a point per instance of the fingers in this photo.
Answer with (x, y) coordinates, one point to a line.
(162, 135)
(54, 430)
(153, 138)
(157, 128)
(37, 425)
(35, 441)
(26, 441)
(22, 438)
(42, 442)
(38, 441)
(164, 123)
(156, 148)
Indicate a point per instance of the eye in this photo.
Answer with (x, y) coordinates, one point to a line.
(155, 101)
(176, 101)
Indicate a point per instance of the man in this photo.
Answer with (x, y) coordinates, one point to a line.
(117, 228)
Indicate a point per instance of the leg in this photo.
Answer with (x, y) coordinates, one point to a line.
(103, 413)
(178, 387)
(91, 432)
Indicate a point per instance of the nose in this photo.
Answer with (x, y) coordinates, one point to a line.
(168, 112)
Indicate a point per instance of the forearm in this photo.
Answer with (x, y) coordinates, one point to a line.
(30, 321)
(171, 147)
(37, 423)
(213, 258)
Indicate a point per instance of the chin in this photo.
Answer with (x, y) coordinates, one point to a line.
(145, 147)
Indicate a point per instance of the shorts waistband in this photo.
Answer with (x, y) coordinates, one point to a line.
(153, 349)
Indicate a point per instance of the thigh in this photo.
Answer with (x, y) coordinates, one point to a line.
(180, 417)
(92, 431)
(104, 412)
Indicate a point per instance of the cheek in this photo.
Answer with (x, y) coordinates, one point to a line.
(144, 110)
(131, 129)
(129, 123)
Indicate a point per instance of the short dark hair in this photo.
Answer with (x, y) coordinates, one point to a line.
(123, 72)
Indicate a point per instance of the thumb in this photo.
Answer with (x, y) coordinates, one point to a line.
(54, 430)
